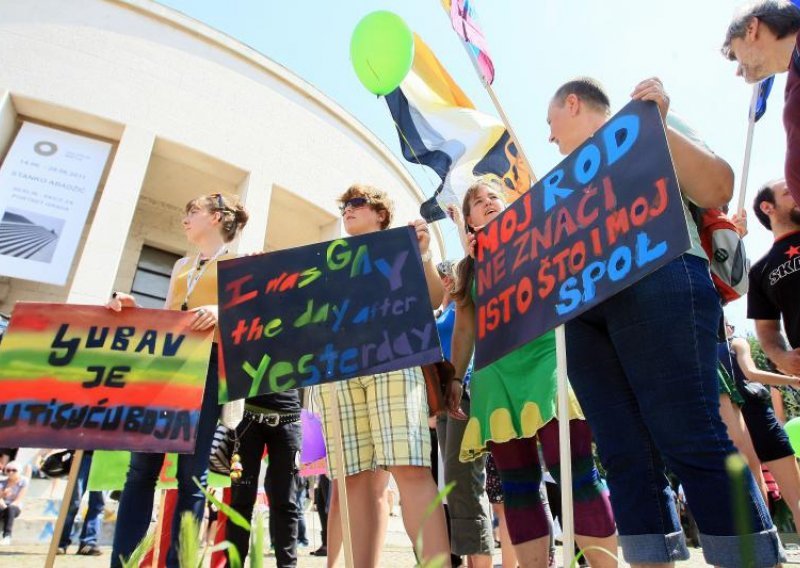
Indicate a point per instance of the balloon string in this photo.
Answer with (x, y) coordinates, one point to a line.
(425, 169)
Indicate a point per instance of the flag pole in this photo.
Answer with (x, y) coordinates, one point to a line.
(565, 452)
(748, 147)
(506, 122)
(66, 501)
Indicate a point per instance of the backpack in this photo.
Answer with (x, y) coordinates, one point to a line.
(724, 247)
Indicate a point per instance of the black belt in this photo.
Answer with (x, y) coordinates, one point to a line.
(272, 418)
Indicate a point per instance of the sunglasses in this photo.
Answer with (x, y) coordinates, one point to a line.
(218, 197)
(354, 203)
(10, 470)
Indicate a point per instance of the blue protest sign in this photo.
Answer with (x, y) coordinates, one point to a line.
(324, 312)
(604, 218)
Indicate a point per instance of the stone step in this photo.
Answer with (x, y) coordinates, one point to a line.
(39, 530)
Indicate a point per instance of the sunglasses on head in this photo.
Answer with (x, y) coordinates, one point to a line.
(353, 203)
(220, 203)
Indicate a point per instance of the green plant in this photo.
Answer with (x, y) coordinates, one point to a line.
(583, 551)
(438, 561)
(138, 554)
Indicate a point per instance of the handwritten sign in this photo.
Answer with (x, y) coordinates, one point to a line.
(324, 312)
(605, 217)
(88, 378)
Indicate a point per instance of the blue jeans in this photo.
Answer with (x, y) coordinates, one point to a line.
(94, 516)
(136, 502)
(643, 365)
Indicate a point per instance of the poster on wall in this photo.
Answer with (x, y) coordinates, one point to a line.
(47, 184)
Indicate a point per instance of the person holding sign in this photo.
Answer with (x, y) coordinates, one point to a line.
(384, 421)
(513, 406)
(467, 503)
(644, 367)
(210, 222)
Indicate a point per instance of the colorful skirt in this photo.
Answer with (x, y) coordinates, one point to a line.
(514, 397)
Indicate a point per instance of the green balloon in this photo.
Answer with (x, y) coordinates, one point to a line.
(382, 51)
(792, 428)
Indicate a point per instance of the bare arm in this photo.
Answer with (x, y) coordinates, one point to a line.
(455, 214)
(20, 496)
(435, 288)
(753, 373)
(463, 338)
(461, 348)
(776, 348)
(705, 178)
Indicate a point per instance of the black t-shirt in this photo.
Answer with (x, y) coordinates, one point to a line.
(286, 401)
(775, 286)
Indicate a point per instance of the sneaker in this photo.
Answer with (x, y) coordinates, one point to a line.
(61, 550)
(321, 551)
(302, 544)
(89, 550)
(6, 540)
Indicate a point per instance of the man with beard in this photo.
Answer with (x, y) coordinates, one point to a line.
(775, 279)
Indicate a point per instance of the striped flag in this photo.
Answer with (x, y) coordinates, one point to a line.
(764, 89)
(464, 20)
(439, 127)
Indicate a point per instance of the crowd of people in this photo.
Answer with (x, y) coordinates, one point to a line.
(659, 385)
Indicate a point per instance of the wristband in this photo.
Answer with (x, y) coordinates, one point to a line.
(458, 379)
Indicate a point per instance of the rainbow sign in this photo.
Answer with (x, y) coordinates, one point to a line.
(86, 377)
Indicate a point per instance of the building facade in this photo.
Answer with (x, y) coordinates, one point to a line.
(188, 110)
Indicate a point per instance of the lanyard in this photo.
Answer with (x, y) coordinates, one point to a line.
(193, 276)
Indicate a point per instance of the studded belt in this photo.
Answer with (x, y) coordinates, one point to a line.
(272, 418)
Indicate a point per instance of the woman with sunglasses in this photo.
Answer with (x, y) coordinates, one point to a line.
(12, 492)
(513, 404)
(210, 223)
(384, 422)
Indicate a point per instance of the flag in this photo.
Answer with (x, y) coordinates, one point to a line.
(764, 89)
(439, 127)
(464, 21)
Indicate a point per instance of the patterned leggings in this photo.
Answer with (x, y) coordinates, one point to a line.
(521, 474)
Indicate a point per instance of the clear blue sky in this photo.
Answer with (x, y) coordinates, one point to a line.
(536, 46)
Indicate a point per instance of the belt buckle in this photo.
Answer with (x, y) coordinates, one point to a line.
(272, 419)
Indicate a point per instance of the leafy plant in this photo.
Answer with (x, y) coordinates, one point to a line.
(138, 554)
(438, 561)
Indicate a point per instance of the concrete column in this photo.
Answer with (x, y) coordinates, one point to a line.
(256, 194)
(332, 230)
(102, 253)
(8, 121)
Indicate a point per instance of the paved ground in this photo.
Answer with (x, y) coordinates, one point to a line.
(396, 553)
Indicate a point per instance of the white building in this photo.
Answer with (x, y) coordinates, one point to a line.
(188, 111)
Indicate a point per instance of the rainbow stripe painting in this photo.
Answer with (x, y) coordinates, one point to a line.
(85, 377)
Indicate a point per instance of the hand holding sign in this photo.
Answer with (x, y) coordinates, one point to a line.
(89, 378)
(606, 216)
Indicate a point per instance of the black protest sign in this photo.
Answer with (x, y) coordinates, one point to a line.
(324, 312)
(605, 217)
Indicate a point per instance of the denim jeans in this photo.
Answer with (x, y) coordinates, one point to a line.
(136, 503)
(94, 513)
(643, 365)
(283, 444)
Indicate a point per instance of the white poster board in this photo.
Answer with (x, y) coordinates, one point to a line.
(47, 184)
